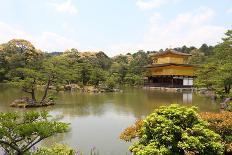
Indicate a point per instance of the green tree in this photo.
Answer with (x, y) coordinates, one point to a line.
(3, 68)
(26, 79)
(55, 72)
(103, 61)
(52, 71)
(122, 59)
(140, 59)
(216, 73)
(120, 69)
(84, 72)
(71, 62)
(197, 57)
(133, 80)
(185, 49)
(17, 53)
(21, 131)
(129, 68)
(97, 75)
(175, 130)
(207, 50)
(112, 81)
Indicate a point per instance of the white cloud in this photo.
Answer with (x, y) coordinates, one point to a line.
(67, 27)
(50, 41)
(150, 4)
(47, 41)
(229, 11)
(191, 29)
(120, 48)
(67, 7)
(8, 32)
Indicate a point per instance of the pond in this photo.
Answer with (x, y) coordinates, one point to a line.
(98, 119)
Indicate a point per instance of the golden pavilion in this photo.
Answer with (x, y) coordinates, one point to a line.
(170, 69)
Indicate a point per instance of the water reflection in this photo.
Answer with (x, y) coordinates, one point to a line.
(97, 119)
(187, 97)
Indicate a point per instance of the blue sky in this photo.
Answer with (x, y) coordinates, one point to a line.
(115, 26)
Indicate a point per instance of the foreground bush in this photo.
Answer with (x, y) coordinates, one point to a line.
(132, 132)
(19, 132)
(221, 123)
(57, 149)
(173, 130)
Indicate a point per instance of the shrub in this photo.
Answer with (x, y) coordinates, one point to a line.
(174, 130)
(57, 149)
(221, 123)
(132, 132)
(110, 82)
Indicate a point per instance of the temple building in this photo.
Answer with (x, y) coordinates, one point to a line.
(170, 69)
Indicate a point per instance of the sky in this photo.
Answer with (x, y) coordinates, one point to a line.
(115, 26)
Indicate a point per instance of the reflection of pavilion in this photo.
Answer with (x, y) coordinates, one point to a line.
(187, 97)
(169, 69)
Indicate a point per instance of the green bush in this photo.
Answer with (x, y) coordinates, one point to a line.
(133, 80)
(221, 124)
(57, 149)
(111, 82)
(176, 130)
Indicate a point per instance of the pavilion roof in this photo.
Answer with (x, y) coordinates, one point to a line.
(170, 51)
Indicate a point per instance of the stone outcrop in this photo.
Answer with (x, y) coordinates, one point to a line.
(224, 104)
(26, 102)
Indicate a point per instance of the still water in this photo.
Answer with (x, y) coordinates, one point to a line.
(97, 119)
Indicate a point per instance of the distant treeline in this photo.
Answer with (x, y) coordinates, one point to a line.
(83, 68)
(86, 67)
(96, 68)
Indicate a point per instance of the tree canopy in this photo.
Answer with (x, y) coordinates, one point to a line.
(216, 72)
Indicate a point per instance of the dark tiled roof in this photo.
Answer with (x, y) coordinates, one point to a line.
(172, 52)
(168, 64)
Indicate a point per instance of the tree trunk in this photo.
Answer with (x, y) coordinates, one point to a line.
(229, 87)
(46, 90)
(19, 153)
(226, 90)
(182, 152)
(33, 96)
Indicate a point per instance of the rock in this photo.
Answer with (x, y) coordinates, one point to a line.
(22, 102)
(25, 102)
(52, 87)
(67, 87)
(207, 92)
(72, 87)
(224, 104)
